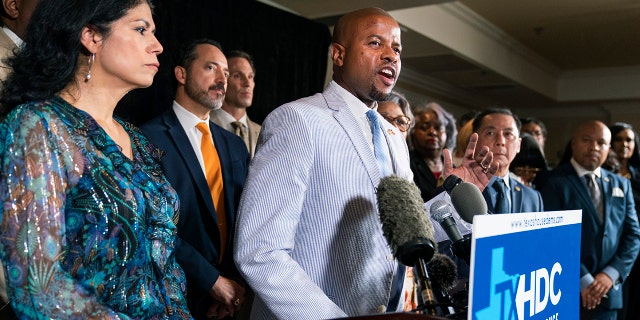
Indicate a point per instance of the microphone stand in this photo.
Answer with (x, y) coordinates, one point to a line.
(417, 253)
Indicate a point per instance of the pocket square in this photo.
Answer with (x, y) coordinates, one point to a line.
(617, 192)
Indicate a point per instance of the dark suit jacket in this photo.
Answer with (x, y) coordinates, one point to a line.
(198, 246)
(523, 198)
(422, 176)
(614, 243)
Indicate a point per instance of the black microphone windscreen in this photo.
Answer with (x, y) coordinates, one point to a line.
(442, 271)
(468, 201)
(402, 213)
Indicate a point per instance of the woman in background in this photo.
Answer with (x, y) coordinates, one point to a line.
(397, 111)
(88, 219)
(435, 130)
(624, 142)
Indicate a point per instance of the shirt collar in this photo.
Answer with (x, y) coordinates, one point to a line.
(187, 119)
(582, 171)
(226, 117)
(13, 36)
(505, 179)
(358, 107)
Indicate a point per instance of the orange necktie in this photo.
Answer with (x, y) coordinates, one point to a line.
(214, 180)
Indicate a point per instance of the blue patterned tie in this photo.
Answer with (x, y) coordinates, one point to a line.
(381, 152)
(502, 200)
(380, 148)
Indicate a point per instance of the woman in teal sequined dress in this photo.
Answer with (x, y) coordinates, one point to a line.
(88, 221)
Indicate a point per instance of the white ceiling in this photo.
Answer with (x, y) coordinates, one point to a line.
(528, 54)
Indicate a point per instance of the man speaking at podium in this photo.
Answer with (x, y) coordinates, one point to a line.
(610, 232)
(309, 239)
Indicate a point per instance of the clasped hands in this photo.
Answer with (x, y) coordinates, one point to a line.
(592, 295)
(228, 296)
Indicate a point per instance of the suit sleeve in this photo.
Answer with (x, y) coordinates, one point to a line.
(540, 203)
(629, 242)
(269, 213)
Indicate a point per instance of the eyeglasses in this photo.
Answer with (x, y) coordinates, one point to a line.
(401, 122)
(536, 133)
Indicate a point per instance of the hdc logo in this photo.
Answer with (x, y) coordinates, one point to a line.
(541, 290)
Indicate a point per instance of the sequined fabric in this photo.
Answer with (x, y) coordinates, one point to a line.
(86, 232)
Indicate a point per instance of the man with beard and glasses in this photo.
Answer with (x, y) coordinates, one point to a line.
(309, 240)
(207, 166)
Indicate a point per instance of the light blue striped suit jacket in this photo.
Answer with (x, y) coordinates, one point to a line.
(309, 239)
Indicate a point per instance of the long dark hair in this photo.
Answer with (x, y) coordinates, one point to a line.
(616, 128)
(48, 61)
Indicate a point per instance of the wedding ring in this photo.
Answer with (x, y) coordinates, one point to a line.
(236, 302)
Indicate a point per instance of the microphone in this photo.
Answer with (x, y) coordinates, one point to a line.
(444, 275)
(443, 271)
(468, 201)
(408, 231)
(442, 212)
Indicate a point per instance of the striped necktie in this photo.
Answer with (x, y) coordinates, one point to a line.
(380, 147)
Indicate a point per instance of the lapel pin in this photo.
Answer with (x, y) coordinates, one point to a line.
(390, 132)
(517, 188)
(606, 179)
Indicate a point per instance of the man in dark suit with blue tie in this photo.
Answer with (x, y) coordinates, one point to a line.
(499, 128)
(207, 166)
(610, 232)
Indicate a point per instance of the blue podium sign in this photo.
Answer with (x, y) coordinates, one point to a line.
(525, 266)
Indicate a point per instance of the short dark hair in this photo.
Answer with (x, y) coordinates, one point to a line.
(466, 117)
(186, 54)
(48, 61)
(477, 121)
(241, 54)
(540, 124)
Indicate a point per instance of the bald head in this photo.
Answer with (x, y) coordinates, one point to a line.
(343, 28)
(590, 144)
(366, 54)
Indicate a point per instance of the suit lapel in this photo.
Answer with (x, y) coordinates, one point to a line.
(350, 125)
(489, 193)
(516, 196)
(227, 172)
(391, 134)
(606, 192)
(181, 142)
(581, 188)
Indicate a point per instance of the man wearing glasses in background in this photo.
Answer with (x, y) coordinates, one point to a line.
(499, 129)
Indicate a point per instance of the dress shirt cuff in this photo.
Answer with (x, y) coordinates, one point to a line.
(613, 274)
(586, 280)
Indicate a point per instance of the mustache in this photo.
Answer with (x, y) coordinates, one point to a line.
(218, 86)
